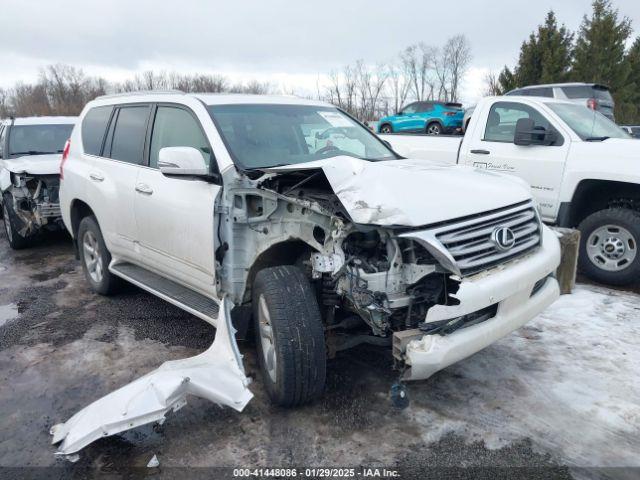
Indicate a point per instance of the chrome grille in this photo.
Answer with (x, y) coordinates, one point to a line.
(470, 243)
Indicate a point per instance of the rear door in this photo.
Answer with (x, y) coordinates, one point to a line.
(175, 215)
(542, 166)
(113, 174)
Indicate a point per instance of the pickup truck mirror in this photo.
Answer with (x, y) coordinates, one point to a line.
(527, 133)
(182, 161)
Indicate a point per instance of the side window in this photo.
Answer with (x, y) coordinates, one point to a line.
(410, 108)
(501, 122)
(426, 107)
(94, 127)
(176, 127)
(129, 134)
(540, 92)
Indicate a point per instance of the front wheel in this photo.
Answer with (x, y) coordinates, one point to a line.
(289, 336)
(609, 246)
(12, 224)
(386, 128)
(434, 129)
(95, 258)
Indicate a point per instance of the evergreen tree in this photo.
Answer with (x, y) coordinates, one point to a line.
(599, 54)
(544, 58)
(629, 109)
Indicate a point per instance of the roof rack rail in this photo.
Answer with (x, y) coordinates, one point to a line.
(142, 93)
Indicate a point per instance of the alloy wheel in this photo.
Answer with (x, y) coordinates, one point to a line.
(266, 338)
(92, 256)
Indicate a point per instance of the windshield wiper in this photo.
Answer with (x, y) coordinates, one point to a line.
(596, 139)
(34, 152)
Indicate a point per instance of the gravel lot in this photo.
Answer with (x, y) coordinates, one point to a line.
(560, 394)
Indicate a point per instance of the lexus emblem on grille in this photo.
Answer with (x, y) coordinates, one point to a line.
(503, 238)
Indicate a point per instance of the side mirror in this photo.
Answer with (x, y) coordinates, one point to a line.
(527, 133)
(182, 161)
(400, 113)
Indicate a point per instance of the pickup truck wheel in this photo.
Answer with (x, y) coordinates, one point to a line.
(12, 224)
(289, 336)
(95, 258)
(609, 246)
(386, 128)
(434, 129)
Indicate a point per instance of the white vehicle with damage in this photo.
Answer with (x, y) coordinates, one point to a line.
(30, 152)
(309, 225)
(583, 170)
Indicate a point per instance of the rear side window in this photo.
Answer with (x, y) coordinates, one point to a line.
(176, 127)
(539, 92)
(129, 134)
(586, 91)
(94, 127)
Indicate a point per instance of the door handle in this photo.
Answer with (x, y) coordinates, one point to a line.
(481, 152)
(96, 177)
(144, 188)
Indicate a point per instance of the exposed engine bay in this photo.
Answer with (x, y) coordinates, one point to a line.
(370, 282)
(35, 202)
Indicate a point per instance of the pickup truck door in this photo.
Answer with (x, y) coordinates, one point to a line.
(491, 146)
(175, 215)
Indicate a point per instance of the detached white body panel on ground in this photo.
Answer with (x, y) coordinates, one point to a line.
(216, 374)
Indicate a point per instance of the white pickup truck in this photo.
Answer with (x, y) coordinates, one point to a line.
(583, 170)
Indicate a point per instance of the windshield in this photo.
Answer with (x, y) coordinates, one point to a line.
(38, 139)
(260, 136)
(587, 123)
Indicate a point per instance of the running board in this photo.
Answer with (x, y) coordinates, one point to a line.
(180, 296)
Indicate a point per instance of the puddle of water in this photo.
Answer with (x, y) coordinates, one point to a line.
(7, 313)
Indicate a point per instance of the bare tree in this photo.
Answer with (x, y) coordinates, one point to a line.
(418, 63)
(68, 89)
(399, 86)
(492, 84)
(456, 55)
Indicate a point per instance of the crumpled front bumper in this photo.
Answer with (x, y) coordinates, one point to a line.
(510, 287)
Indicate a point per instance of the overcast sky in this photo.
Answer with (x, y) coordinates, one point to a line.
(287, 42)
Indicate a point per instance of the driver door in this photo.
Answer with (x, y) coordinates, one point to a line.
(175, 215)
(542, 166)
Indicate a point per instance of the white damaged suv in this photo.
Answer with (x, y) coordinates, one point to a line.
(30, 152)
(309, 224)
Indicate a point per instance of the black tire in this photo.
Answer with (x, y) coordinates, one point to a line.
(107, 283)
(297, 336)
(433, 128)
(627, 219)
(386, 128)
(13, 224)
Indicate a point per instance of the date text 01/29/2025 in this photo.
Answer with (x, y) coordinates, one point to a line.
(316, 472)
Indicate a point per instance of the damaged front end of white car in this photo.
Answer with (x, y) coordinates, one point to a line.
(30, 197)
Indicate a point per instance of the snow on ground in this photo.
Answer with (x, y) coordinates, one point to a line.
(569, 380)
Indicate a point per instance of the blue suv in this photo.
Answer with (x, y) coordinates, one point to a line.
(434, 118)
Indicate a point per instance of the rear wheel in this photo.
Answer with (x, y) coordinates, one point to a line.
(434, 129)
(386, 128)
(12, 224)
(289, 336)
(95, 258)
(609, 246)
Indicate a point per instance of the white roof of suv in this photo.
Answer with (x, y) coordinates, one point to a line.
(40, 120)
(208, 98)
